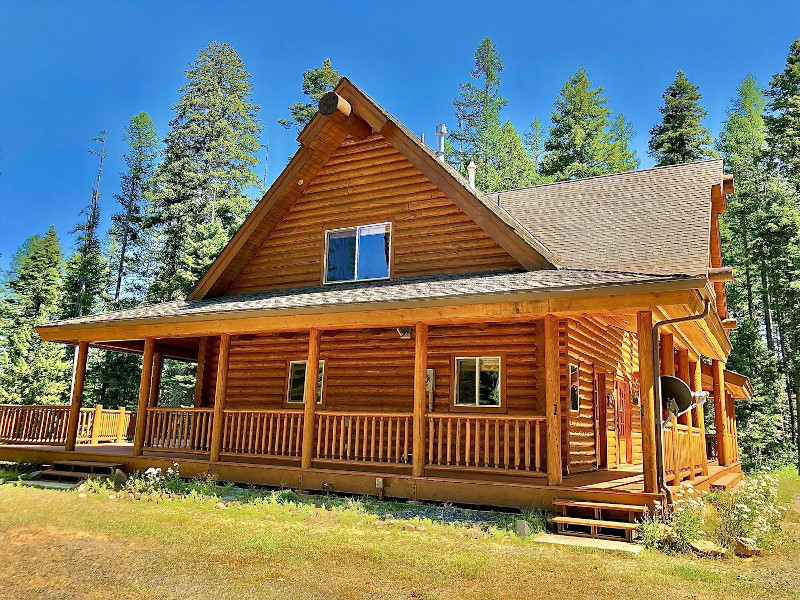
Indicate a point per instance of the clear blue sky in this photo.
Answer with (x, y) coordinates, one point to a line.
(70, 69)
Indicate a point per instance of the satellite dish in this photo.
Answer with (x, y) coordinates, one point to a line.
(676, 397)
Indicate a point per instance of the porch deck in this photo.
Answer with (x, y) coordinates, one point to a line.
(622, 484)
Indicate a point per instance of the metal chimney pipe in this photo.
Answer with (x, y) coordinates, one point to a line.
(471, 169)
(441, 134)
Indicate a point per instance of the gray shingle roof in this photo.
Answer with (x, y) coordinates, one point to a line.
(407, 291)
(650, 221)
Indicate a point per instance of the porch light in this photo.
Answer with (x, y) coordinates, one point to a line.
(404, 333)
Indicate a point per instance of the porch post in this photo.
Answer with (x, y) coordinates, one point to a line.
(699, 413)
(144, 395)
(552, 393)
(310, 397)
(198, 382)
(720, 414)
(667, 357)
(98, 415)
(76, 400)
(420, 397)
(644, 335)
(685, 374)
(220, 395)
(155, 382)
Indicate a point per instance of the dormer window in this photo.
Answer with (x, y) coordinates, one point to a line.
(357, 253)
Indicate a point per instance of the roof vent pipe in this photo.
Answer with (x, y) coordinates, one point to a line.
(471, 168)
(441, 133)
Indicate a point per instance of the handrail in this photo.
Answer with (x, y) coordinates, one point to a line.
(47, 424)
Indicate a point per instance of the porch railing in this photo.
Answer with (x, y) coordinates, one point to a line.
(263, 432)
(48, 424)
(482, 441)
(372, 437)
(183, 429)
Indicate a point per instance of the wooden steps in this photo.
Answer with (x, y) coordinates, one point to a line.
(74, 471)
(601, 520)
(726, 482)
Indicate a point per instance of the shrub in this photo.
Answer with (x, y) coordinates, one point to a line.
(675, 529)
(536, 518)
(750, 510)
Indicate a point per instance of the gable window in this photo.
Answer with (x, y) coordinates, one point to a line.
(478, 381)
(574, 388)
(297, 382)
(357, 253)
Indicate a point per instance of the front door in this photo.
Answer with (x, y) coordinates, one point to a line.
(623, 410)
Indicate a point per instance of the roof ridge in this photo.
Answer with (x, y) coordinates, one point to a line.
(609, 175)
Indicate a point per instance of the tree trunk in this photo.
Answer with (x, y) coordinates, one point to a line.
(751, 309)
(766, 303)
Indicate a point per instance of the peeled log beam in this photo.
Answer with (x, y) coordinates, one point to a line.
(727, 184)
(333, 106)
(730, 323)
(720, 274)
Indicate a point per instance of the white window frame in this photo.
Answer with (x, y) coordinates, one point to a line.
(289, 382)
(477, 360)
(577, 367)
(356, 228)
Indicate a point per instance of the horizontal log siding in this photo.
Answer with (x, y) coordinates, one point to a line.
(596, 346)
(371, 182)
(519, 343)
(373, 370)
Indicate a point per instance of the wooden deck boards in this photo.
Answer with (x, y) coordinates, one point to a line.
(621, 485)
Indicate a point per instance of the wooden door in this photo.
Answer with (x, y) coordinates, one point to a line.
(601, 420)
(624, 422)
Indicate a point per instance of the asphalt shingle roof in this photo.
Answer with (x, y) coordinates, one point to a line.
(405, 290)
(650, 221)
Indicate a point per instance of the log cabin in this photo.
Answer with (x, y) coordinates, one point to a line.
(378, 325)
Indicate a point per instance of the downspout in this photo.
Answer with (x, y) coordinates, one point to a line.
(660, 474)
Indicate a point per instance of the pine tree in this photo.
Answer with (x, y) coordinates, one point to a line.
(477, 111)
(583, 141)
(783, 123)
(316, 82)
(680, 137)
(511, 167)
(534, 142)
(86, 270)
(32, 371)
(209, 164)
(127, 237)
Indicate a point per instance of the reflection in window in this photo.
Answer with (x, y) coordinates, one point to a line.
(478, 381)
(574, 388)
(358, 253)
(297, 381)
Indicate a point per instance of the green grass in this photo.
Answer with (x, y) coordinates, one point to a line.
(59, 544)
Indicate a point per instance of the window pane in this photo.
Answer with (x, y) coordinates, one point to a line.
(574, 397)
(297, 382)
(489, 382)
(341, 256)
(373, 251)
(465, 392)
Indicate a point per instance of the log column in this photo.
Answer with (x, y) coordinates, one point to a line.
(144, 395)
(667, 356)
(76, 396)
(220, 395)
(684, 373)
(310, 397)
(720, 412)
(198, 382)
(420, 397)
(155, 382)
(552, 392)
(699, 414)
(644, 334)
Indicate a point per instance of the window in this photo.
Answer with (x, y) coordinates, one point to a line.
(574, 388)
(478, 381)
(297, 382)
(357, 253)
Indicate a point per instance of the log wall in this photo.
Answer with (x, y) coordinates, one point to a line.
(595, 346)
(363, 183)
(373, 369)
